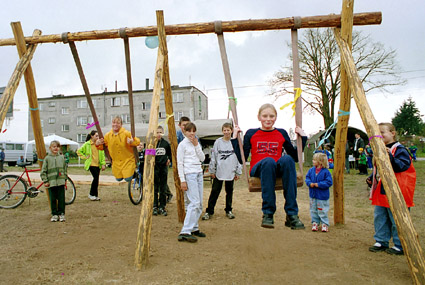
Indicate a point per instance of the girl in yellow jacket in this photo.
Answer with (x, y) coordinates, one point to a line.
(119, 142)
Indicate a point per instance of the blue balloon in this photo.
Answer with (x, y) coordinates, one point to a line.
(152, 42)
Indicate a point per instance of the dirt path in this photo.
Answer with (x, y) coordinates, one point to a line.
(96, 245)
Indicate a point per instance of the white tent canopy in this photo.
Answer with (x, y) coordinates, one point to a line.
(61, 140)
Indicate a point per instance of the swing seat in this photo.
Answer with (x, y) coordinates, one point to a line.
(255, 183)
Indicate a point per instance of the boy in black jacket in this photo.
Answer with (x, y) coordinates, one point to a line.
(162, 160)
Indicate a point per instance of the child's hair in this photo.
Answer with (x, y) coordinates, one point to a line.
(89, 135)
(160, 128)
(183, 119)
(266, 106)
(117, 118)
(322, 159)
(190, 127)
(390, 127)
(227, 125)
(57, 143)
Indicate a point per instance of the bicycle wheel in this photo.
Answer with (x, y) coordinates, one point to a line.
(135, 189)
(13, 191)
(70, 192)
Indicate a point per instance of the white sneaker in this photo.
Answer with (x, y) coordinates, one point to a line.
(206, 216)
(54, 218)
(93, 198)
(314, 227)
(325, 228)
(97, 199)
(62, 218)
(230, 215)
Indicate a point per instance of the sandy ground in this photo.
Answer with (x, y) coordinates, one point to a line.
(96, 245)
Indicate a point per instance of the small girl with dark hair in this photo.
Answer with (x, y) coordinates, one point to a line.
(189, 164)
(95, 160)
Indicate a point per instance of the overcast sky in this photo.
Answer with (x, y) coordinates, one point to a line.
(195, 59)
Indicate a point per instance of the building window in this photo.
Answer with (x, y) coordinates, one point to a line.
(42, 123)
(52, 120)
(115, 101)
(65, 128)
(125, 101)
(52, 104)
(161, 97)
(81, 137)
(82, 104)
(126, 119)
(145, 121)
(146, 106)
(178, 97)
(81, 121)
(94, 103)
(65, 110)
(40, 106)
(179, 115)
(199, 104)
(162, 115)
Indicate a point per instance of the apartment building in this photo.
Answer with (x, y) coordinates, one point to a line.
(69, 116)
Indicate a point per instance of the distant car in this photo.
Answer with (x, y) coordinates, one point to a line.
(14, 150)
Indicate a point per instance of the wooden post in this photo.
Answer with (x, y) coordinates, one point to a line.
(229, 87)
(145, 222)
(12, 85)
(298, 103)
(343, 117)
(130, 90)
(86, 89)
(322, 21)
(31, 93)
(406, 231)
(172, 135)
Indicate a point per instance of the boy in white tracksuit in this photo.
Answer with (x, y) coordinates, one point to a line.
(224, 166)
(189, 165)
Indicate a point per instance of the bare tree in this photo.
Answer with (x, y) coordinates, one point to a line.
(320, 70)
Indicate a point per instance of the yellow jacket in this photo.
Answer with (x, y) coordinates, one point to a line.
(123, 163)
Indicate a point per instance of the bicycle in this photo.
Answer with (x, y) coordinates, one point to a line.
(14, 189)
(135, 188)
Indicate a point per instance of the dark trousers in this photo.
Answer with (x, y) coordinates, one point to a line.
(160, 181)
(95, 171)
(1, 165)
(267, 170)
(362, 169)
(215, 192)
(57, 199)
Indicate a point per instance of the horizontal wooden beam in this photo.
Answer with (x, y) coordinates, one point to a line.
(370, 18)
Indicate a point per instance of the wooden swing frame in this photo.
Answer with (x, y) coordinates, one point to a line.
(351, 82)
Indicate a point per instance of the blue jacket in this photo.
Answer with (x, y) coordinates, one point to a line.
(324, 180)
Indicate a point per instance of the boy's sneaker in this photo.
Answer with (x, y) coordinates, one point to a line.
(230, 215)
(54, 218)
(325, 228)
(62, 218)
(155, 211)
(394, 250)
(93, 198)
(97, 199)
(162, 212)
(198, 233)
(267, 221)
(314, 227)
(294, 222)
(187, 237)
(206, 216)
(377, 247)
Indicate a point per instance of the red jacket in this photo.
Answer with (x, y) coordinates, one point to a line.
(406, 180)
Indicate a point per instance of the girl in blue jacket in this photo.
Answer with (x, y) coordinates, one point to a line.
(319, 179)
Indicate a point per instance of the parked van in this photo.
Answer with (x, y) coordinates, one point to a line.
(14, 150)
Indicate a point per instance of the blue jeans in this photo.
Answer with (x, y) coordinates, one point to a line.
(385, 227)
(194, 192)
(319, 211)
(267, 170)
